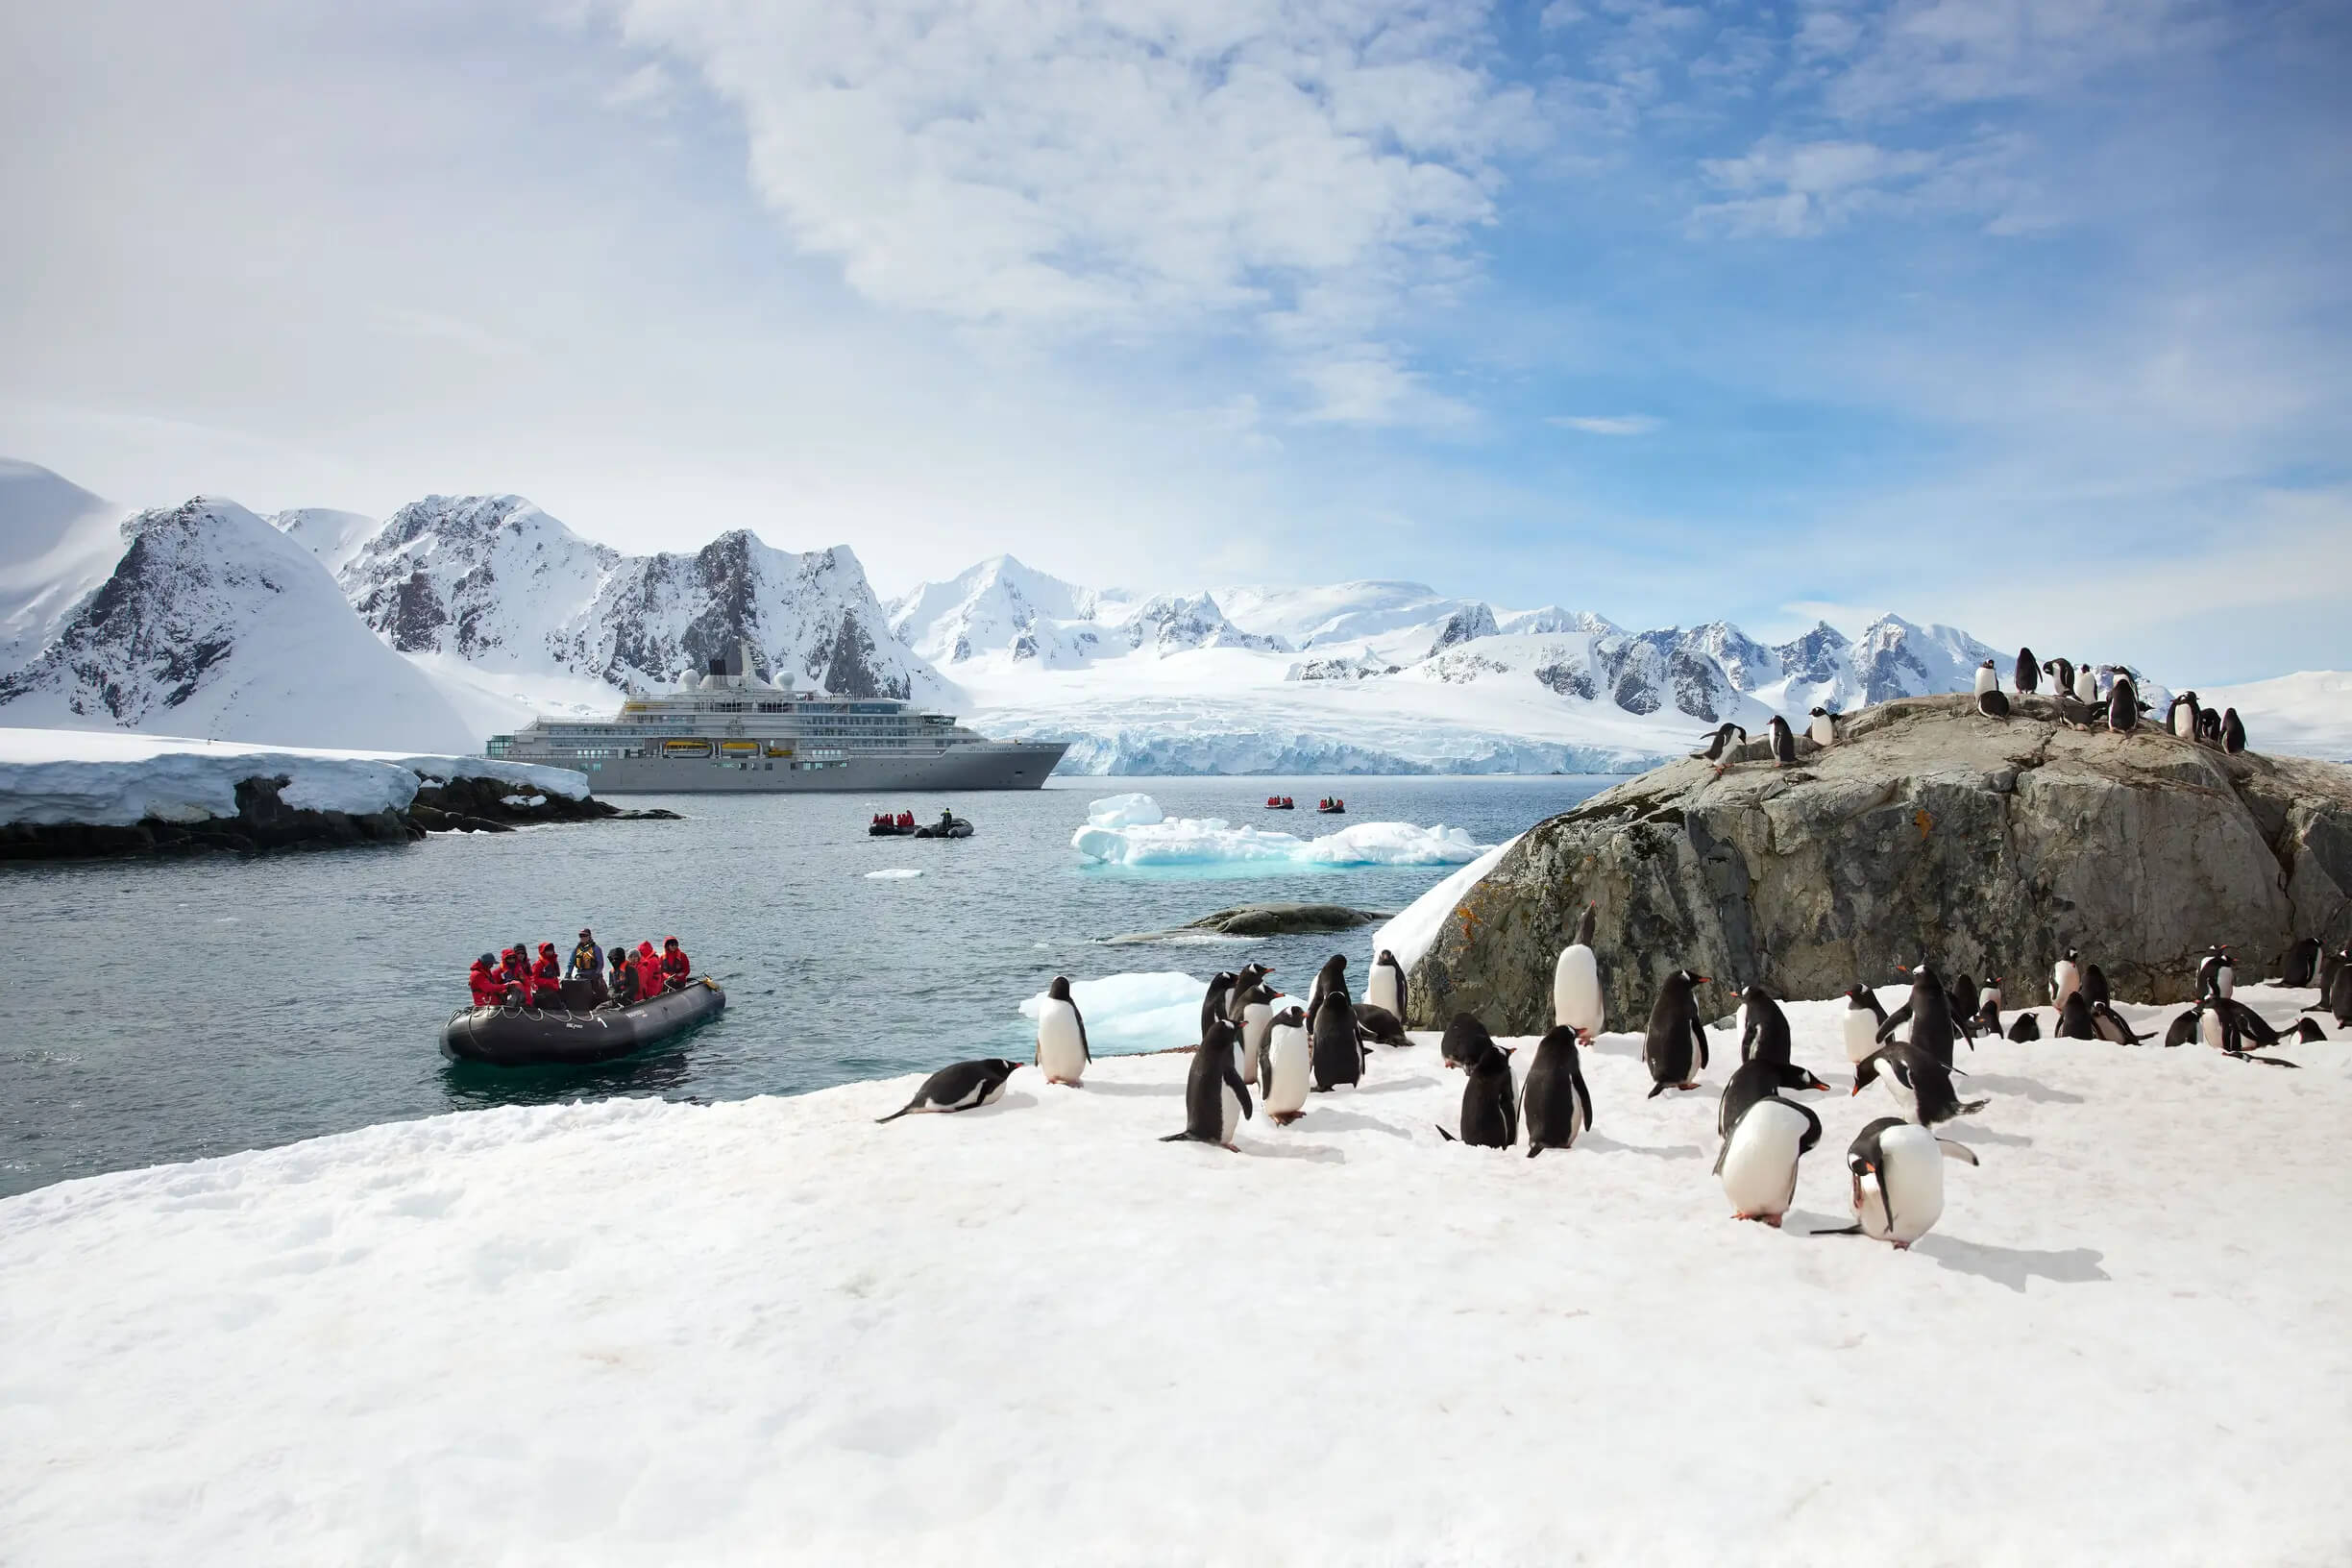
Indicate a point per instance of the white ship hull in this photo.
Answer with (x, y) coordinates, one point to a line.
(989, 765)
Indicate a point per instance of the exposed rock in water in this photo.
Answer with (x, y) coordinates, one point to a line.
(1928, 832)
(1276, 919)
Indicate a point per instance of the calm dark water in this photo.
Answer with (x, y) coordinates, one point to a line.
(200, 1007)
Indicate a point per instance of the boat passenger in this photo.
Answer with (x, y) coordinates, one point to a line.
(674, 965)
(649, 981)
(517, 975)
(946, 820)
(624, 986)
(906, 819)
(547, 975)
(484, 981)
(587, 958)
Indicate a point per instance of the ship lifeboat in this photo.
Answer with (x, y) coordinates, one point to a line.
(686, 748)
(739, 748)
(548, 1037)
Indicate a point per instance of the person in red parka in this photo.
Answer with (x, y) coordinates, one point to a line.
(547, 973)
(649, 970)
(675, 965)
(488, 986)
(515, 969)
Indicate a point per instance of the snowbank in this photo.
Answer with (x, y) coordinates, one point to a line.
(1128, 830)
(640, 1332)
(115, 779)
(1135, 1012)
(1409, 932)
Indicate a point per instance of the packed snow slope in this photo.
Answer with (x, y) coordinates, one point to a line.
(113, 779)
(770, 1330)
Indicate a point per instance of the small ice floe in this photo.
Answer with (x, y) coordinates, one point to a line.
(1131, 830)
(1135, 1012)
(894, 873)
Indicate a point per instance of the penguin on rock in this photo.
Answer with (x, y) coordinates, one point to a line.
(1822, 726)
(2232, 732)
(2181, 718)
(2086, 685)
(2062, 675)
(1988, 678)
(2028, 674)
(1719, 750)
(2122, 705)
(1783, 741)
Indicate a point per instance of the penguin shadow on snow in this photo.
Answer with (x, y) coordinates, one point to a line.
(1396, 1085)
(2031, 1089)
(1602, 1144)
(1977, 1134)
(1321, 1154)
(1319, 1119)
(1152, 1092)
(2013, 1266)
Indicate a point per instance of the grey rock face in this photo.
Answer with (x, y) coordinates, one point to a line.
(1928, 832)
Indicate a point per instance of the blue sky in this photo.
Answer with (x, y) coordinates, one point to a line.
(2031, 318)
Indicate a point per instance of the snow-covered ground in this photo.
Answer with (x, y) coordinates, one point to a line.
(2308, 714)
(770, 1330)
(115, 778)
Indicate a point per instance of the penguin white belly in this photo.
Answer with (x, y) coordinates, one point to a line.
(1256, 1019)
(2184, 723)
(1987, 680)
(1291, 1057)
(1575, 990)
(2065, 981)
(1907, 1198)
(2210, 1029)
(1861, 1032)
(1230, 1122)
(1759, 1173)
(1821, 732)
(1060, 1053)
(2225, 980)
(1904, 1096)
(2086, 686)
(1381, 989)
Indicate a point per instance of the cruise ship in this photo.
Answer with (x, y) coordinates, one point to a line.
(731, 730)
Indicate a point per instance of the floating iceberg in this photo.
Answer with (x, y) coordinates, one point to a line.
(1135, 1012)
(1130, 830)
(895, 874)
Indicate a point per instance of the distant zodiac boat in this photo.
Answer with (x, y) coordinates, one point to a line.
(731, 730)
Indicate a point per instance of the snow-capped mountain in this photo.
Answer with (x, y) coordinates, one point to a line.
(57, 543)
(1001, 604)
(211, 623)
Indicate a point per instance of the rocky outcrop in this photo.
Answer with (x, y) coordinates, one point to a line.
(1271, 919)
(1927, 832)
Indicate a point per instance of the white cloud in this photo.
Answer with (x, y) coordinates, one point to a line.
(1606, 424)
(1791, 189)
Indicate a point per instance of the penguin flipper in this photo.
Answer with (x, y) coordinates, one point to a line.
(1957, 1151)
(1655, 1089)
(900, 1111)
(1448, 1137)
(1720, 1155)
(1085, 1051)
(1969, 1107)
(1182, 1137)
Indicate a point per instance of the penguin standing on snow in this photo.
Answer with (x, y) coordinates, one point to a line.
(1988, 1011)
(1576, 983)
(1217, 1002)
(1252, 1016)
(1783, 741)
(2065, 978)
(1386, 987)
(1962, 993)
(1929, 1011)
(1766, 1036)
(1489, 1107)
(1288, 1066)
(1061, 1050)
(2122, 705)
(1898, 1172)
(1719, 750)
(1330, 977)
(964, 1086)
(2028, 674)
(1675, 1049)
(1216, 1096)
(1555, 1105)
(2302, 964)
(2215, 975)
(1463, 1038)
(2094, 985)
(1863, 1018)
(1918, 1083)
(2109, 1025)
(1338, 1049)
(1821, 727)
(1763, 1138)
(2074, 1020)
(1381, 1024)
(2025, 1027)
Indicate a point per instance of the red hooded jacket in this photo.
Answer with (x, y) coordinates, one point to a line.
(649, 970)
(675, 963)
(489, 987)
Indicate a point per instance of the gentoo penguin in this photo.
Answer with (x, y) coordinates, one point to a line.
(2094, 985)
(1762, 1143)
(1381, 1024)
(1216, 1096)
(1330, 977)
(2331, 965)
(1929, 1011)
(2074, 1019)
(1251, 978)
(1918, 1083)
(1576, 983)
(1062, 1051)
(2062, 675)
(1755, 1080)
(1216, 1003)
(2302, 964)
(2180, 717)
(2184, 1027)
(1993, 704)
(1555, 1105)
(2219, 1022)
(1338, 1049)
(1766, 1035)
(1822, 726)
(958, 1088)
(2215, 975)
(2123, 705)
(1783, 741)
(1863, 1017)
(1988, 678)
(1287, 1067)
(2252, 1024)
(2232, 732)
(2209, 726)
(2026, 1026)
(2308, 1030)
(1676, 1048)
(2065, 978)
(2077, 714)
(1463, 1038)
(1718, 750)
(1897, 1173)
(2086, 684)
(2028, 674)
(1255, 1009)
(2109, 1025)
(1963, 993)
(1385, 986)
(1988, 1011)
(1489, 1107)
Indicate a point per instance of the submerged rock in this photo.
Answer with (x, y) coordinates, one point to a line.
(1273, 919)
(1928, 832)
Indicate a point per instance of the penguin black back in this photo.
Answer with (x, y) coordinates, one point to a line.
(1381, 1024)
(1336, 1048)
(1489, 1107)
(1674, 1049)
(2302, 963)
(1558, 1105)
(1214, 1082)
(2028, 675)
(1330, 977)
(1783, 741)
(2074, 1019)
(2094, 985)
(1993, 704)
(1462, 1035)
(1755, 1080)
(1216, 1003)
(961, 1086)
(1930, 1013)
(1921, 1079)
(2026, 1026)
(1766, 1037)
(2232, 732)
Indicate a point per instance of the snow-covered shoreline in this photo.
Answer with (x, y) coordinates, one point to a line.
(770, 1330)
(115, 778)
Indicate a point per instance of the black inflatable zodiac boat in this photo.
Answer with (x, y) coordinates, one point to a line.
(552, 1036)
